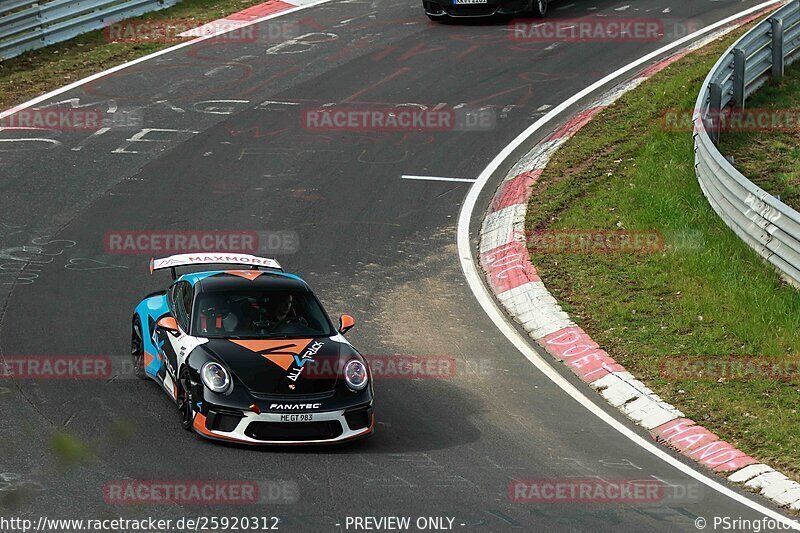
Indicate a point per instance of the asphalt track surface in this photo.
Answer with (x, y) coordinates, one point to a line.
(371, 244)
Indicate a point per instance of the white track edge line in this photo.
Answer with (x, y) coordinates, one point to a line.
(436, 178)
(148, 57)
(487, 302)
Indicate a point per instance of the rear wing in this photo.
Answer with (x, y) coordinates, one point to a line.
(212, 258)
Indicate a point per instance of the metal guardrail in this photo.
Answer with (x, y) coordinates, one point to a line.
(769, 226)
(29, 24)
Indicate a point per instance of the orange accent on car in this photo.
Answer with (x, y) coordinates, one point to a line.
(280, 352)
(248, 274)
(200, 425)
(168, 323)
(346, 322)
(148, 359)
(255, 409)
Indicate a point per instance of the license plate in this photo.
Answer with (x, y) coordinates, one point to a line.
(469, 2)
(297, 418)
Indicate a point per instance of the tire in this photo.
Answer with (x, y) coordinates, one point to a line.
(539, 8)
(137, 349)
(185, 401)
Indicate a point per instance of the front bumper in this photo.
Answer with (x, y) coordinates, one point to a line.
(275, 428)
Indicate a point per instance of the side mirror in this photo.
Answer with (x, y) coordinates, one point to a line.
(168, 323)
(345, 323)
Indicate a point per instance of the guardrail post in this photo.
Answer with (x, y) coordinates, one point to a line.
(714, 110)
(778, 56)
(739, 79)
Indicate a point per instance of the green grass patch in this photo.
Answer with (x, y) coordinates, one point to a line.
(771, 158)
(69, 449)
(39, 71)
(705, 295)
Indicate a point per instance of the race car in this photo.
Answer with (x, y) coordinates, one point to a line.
(441, 10)
(249, 355)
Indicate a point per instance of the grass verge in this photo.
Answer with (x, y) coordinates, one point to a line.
(771, 158)
(39, 71)
(705, 296)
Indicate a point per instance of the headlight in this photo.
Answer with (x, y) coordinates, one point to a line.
(215, 376)
(355, 374)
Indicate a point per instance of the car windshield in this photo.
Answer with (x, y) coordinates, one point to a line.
(261, 314)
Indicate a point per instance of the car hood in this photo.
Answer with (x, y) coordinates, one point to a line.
(281, 367)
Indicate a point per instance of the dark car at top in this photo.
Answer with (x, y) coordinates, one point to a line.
(442, 10)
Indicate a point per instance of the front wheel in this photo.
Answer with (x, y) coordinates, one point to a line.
(137, 349)
(540, 8)
(185, 401)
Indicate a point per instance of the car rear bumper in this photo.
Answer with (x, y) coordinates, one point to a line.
(276, 429)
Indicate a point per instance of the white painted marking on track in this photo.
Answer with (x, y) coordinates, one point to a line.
(490, 306)
(98, 133)
(437, 178)
(304, 4)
